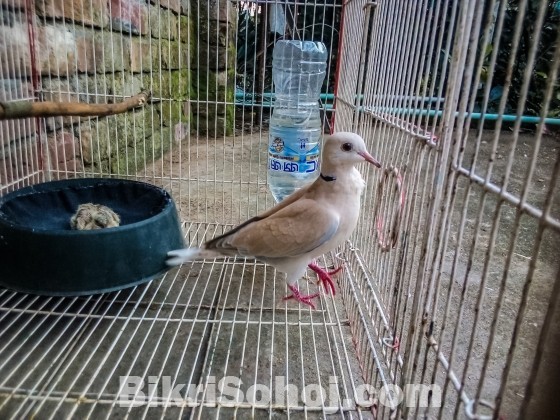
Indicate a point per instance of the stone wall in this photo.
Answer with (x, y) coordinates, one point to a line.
(213, 66)
(100, 51)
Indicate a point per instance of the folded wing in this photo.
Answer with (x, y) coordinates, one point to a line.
(293, 230)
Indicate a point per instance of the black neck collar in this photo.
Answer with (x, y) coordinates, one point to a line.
(328, 178)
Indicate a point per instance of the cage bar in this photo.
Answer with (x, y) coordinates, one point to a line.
(450, 283)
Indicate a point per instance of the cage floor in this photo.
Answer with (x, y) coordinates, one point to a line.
(226, 319)
(134, 353)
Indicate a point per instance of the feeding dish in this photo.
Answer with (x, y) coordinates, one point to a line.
(40, 253)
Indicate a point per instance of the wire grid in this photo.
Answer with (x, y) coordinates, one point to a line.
(20, 164)
(64, 357)
(462, 289)
(115, 81)
(454, 302)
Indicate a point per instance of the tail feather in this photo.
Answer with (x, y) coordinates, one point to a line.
(180, 256)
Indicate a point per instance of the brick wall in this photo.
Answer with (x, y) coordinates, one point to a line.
(18, 143)
(98, 51)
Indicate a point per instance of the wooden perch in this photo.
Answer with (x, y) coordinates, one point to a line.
(26, 109)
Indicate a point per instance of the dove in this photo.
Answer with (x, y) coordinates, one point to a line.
(312, 221)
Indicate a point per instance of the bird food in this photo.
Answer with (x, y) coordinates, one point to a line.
(91, 216)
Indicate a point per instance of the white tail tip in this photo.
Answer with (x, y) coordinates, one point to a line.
(180, 256)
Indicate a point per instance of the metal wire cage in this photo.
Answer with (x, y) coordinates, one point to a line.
(446, 307)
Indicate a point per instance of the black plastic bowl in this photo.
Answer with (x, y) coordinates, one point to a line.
(41, 254)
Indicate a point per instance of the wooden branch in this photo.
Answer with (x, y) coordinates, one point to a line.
(26, 109)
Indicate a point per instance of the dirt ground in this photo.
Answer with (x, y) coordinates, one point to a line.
(472, 261)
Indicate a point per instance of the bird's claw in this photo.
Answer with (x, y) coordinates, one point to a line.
(325, 276)
(301, 298)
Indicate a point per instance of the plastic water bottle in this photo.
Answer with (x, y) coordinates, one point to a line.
(298, 71)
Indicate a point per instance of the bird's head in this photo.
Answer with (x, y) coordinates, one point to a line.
(346, 149)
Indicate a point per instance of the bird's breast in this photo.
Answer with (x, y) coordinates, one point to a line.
(344, 199)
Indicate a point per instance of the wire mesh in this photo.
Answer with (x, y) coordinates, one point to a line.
(20, 163)
(449, 292)
(199, 326)
(449, 279)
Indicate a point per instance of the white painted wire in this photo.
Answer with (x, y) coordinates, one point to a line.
(388, 51)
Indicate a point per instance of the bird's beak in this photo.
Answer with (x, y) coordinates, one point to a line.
(369, 158)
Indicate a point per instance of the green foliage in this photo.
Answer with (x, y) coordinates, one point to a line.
(540, 69)
(246, 49)
(322, 22)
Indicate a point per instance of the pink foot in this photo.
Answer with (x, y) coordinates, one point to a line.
(325, 276)
(301, 298)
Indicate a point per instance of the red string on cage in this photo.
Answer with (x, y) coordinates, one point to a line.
(392, 343)
(388, 242)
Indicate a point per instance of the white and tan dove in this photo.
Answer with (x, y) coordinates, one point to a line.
(309, 223)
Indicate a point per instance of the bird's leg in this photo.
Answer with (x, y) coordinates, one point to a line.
(325, 276)
(299, 297)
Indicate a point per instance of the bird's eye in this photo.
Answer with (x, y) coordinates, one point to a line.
(347, 147)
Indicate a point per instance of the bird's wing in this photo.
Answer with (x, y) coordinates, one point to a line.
(287, 201)
(295, 229)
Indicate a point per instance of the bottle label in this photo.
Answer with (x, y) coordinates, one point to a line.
(282, 158)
